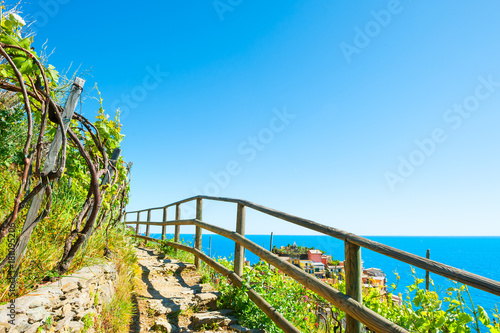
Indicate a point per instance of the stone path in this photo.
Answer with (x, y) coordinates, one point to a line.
(172, 299)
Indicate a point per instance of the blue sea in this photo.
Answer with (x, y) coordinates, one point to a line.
(479, 255)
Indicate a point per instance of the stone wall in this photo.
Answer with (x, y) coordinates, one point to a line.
(62, 304)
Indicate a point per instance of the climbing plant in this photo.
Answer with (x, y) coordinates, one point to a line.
(87, 166)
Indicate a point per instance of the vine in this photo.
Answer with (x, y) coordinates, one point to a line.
(30, 95)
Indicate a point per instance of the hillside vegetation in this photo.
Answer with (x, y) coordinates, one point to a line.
(83, 194)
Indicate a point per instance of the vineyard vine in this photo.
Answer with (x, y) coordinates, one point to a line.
(87, 169)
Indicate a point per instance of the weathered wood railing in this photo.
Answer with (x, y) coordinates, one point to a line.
(350, 303)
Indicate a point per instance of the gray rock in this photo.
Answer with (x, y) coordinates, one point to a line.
(4, 327)
(178, 267)
(4, 315)
(84, 299)
(50, 289)
(106, 294)
(33, 328)
(158, 307)
(80, 314)
(37, 314)
(66, 310)
(213, 317)
(64, 323)
(205, 298)
(75, 326)
(42, 301)
(23, 326)
(203, 288)
(21, 304)
(162, 325)
(69, 299)
(68, 287)
(20, 318)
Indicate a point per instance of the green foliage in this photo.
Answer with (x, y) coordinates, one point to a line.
(117, 314)
(46, 245)
(424, 311)
(12, 130)
(11, 33)
(421, 311)
(292, 251)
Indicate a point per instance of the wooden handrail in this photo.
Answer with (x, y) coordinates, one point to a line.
(351, 303)
(347, 304)
(459, 275)
(270, 311)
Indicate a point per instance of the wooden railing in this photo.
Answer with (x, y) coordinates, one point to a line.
(350, 303)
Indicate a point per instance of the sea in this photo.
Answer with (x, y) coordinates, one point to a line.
(479, 255)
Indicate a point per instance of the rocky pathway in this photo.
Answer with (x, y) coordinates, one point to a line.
(172, 299)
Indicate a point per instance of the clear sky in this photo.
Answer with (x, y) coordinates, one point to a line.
(378, 118)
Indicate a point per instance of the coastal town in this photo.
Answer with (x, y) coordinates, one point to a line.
(325, 268)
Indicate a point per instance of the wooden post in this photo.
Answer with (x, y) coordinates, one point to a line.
(353, 276)
(49, 165)
(137, 225)
(271, 245)
(111, 171)
(197, 240)
(164, 227)
(147, 225)
(239, 251)
(177, 234)
(428, 256)
(210, 246)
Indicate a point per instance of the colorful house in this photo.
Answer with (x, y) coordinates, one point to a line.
(325, 259)
(306, 265)
(374, 277)
(314, 255)
(319, 270)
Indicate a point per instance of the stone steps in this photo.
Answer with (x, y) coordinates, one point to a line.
(171, 299)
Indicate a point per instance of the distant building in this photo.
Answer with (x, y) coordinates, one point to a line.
(314, 255)
(319, 270)
(285, 259)
(336, 269)
(306, 266)
(374, 277)
(396, 299)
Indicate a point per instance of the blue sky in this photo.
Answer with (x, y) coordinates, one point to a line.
(378, 118)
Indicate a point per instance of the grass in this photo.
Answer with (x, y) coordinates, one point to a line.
(46, 248)
(46, 245)
(117, 314)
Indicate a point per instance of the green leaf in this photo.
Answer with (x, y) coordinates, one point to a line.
(26, 67)
(483, 315)
(19, 61)
(6, 39)
(52, 73)
(25, 43)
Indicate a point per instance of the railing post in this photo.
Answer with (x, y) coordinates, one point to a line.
(427, 277)
(137, 225)
(239, 251)
(177, 234)
(164, 227)
(149, 220)
(197, 240)
(353, 277)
